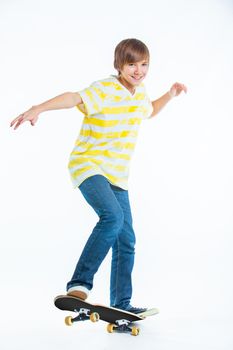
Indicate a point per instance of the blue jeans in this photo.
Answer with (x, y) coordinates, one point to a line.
(113, 230)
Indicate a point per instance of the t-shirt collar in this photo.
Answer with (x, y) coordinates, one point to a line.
(125, 88)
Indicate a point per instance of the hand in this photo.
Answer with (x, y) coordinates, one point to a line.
(31, 115)
(176, 89)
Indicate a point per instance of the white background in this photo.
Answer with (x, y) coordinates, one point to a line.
(180, 183)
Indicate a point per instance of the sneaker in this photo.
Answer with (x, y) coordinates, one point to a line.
(135, 310)
(80, 292)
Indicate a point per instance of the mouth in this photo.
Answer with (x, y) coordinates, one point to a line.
(137, 78)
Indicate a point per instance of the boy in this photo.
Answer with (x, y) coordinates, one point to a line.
(113, 109)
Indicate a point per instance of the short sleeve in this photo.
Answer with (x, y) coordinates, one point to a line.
(147, 107)
(92, 100)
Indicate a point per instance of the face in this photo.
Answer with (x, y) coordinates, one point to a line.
(132, 74)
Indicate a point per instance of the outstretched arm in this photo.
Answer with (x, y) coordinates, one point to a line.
(66, 100)
(175, 90)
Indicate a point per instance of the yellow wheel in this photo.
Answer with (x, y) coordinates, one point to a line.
(68, 321)
(135, 331)
(110, 328)
(94, 317)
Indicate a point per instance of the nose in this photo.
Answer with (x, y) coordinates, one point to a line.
(137, 70)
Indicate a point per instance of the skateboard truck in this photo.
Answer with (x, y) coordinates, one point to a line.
(82, 315)
(122, 326)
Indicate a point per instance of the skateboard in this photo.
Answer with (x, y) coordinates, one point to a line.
(118, 320)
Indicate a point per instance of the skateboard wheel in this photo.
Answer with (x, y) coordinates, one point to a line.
(135, 331)
(68, 321)
(94, 317)
(110, 328)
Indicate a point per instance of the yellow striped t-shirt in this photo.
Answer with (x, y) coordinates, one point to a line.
(112, 116)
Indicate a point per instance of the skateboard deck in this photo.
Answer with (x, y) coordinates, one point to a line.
(118, 320)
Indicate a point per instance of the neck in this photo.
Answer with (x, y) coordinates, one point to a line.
(128, 86)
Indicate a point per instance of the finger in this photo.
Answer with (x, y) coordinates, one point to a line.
(17, 125)
(19, 122)
(14, 121)
(181, 88)
(17, 118)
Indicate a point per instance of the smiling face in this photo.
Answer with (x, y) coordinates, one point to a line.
(131, 60)
(132, 74)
